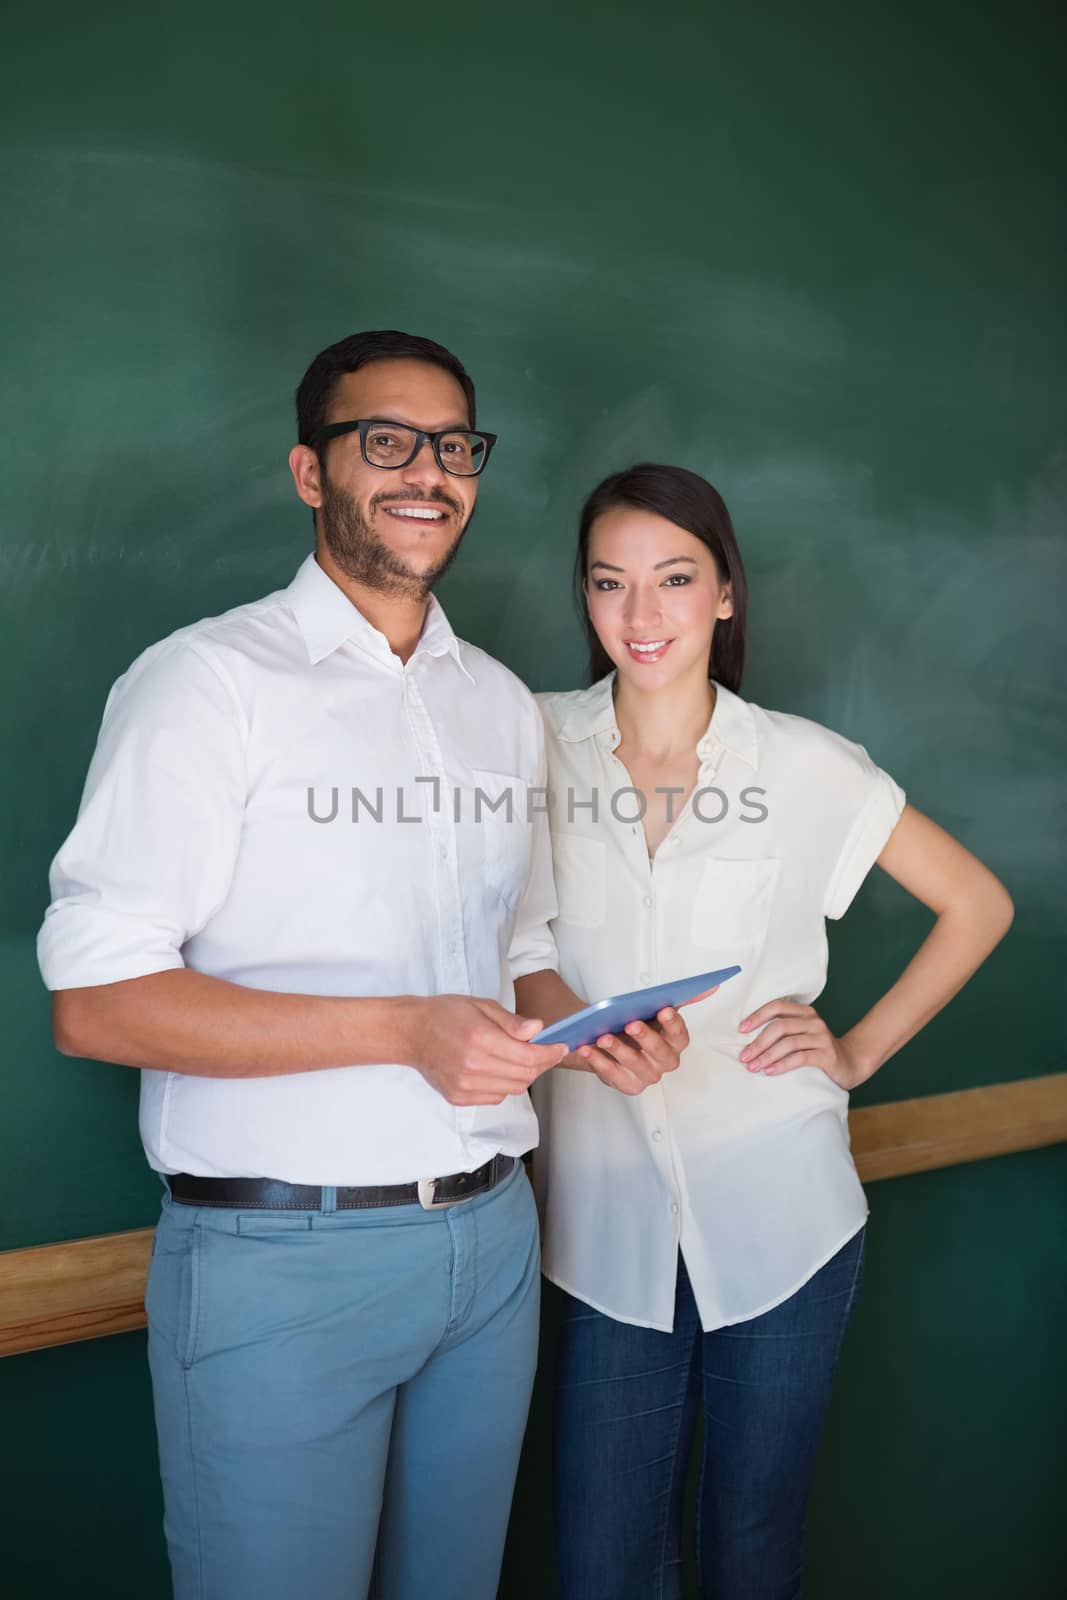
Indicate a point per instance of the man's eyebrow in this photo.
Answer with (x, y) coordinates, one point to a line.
(397, 422)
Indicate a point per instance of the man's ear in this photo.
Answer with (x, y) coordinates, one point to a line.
(307, 474)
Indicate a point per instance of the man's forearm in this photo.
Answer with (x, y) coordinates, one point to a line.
(186, 1021)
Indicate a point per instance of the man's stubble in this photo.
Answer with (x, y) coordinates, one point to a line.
(364, 558)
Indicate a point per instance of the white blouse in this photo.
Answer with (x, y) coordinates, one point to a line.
(750, 1176)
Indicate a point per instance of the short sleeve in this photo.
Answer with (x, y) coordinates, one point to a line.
(867, 807)
(152, 853)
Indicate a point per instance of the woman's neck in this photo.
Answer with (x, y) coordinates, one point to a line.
(665, 723)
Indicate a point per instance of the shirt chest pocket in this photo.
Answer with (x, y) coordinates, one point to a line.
(497, 813)
(580, 866)
(732, 909)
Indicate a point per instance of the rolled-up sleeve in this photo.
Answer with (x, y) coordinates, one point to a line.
(869, 804)
(152, 853)
(532, 947)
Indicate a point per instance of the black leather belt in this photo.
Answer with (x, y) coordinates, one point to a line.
(269, 1194)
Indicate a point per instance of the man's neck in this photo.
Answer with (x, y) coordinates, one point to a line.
(400, 617)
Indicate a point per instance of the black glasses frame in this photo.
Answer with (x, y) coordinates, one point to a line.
(365, 424)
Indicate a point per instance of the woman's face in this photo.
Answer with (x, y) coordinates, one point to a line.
(654, 596)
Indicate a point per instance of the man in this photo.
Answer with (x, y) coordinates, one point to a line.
(282, 902)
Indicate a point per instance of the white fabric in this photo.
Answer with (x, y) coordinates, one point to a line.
(195, 846)
(750, 1175)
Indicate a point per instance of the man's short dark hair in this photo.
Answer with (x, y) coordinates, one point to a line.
(359, 350)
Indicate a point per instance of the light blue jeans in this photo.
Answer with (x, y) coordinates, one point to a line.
(340, 1396)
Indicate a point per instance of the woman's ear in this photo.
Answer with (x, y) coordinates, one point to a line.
(726, 603)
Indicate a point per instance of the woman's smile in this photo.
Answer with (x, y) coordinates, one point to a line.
(647, 651)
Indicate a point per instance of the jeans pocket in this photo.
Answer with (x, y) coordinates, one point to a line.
(856, 1294)
(172, 1295)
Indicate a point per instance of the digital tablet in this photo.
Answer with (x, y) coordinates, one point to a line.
(640, 1005)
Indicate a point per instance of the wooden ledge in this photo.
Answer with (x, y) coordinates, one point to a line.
(58, 1293)
(942, 1130)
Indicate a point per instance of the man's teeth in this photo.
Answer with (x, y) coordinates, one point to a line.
(646, 649)
(422, 513)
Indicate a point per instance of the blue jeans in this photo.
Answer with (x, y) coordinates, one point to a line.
(341, 1392)
(626, 1407)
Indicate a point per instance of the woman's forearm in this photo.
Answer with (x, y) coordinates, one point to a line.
(962, 937)
(544, 994)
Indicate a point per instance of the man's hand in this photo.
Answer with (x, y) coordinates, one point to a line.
(642, 1053)
(473, 1052)
(796, 1036)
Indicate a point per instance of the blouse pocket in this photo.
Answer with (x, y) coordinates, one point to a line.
(580, 866)
(732, 909)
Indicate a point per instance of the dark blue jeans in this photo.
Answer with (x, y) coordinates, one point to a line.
(626, 1407)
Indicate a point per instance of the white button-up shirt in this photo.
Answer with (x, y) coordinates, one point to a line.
(750, 1176)
(277, 800)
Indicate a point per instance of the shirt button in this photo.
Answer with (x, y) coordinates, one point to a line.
(648, 901)
(657, 1134)
(443, 850)
(674, 1208)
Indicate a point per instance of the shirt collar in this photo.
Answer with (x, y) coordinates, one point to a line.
(732, 726)
(327, 618)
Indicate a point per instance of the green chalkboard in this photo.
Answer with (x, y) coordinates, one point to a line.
(812, 252)
(833, 295)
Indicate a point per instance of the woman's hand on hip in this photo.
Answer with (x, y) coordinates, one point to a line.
(793, 1036)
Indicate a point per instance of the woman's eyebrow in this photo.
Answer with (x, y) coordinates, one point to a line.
(671, 561)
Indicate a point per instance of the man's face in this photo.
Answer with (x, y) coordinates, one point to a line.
(395, 531)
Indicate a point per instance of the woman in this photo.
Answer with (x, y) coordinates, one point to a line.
(708, 1228)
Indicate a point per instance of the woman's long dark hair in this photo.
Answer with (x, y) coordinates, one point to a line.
(690, 502)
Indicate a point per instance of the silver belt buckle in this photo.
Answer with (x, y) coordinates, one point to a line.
(427, 1196)
(427, 1191)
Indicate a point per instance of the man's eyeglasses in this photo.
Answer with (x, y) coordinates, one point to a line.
(393, 444)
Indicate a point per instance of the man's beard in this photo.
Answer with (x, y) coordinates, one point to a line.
(363, 557)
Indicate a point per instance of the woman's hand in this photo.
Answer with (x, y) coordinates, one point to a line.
(640, 1055)
(796, 1036)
